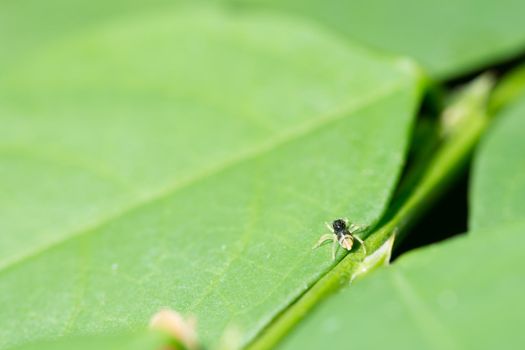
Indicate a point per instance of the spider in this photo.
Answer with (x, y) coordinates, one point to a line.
(342, 234)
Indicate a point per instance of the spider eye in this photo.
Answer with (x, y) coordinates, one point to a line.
(339, 225)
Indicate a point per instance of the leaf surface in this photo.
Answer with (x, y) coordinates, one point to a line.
(187, 159)
(448, 38)
(123, 341)
(498, 188)
(465, 293)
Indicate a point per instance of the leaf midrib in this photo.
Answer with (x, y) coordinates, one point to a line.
(253, 153)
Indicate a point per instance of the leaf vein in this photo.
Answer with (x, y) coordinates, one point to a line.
(248, 155)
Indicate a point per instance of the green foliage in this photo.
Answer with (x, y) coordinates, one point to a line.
(28, 27)
(440, 297)
(187, 159)
(186, 154)
(498, 190)
(448, 38)
(462, 294)
(464, 121)
(123, 341)
(509, 89)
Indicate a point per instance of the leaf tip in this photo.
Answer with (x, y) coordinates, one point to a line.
(379, 257)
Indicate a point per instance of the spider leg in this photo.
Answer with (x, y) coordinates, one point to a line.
(335, 248)
(324, 238)
(353, 228)
(357, 228)
(362, 243)
(329, 227)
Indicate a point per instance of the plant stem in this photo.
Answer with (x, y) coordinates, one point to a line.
(509, 88)
(463, 123)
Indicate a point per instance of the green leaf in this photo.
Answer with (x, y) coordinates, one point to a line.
(439, 297)
(448, 38)
(463, 121)
(26, 29)
(124, 341)
(498, 190)
(466, 293)
(187, 159)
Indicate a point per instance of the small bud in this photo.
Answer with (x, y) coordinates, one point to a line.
(173, 324)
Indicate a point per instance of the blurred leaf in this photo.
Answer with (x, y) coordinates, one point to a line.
(186, 159)
(448, 38)
(26, 28)
(498, 190)
(124, 341)
(466, 293)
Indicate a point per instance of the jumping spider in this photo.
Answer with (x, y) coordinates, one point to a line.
(343, 234)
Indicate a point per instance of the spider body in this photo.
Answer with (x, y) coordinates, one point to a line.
(342, 235)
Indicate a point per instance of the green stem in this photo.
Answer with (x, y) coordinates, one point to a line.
(509, 88)
(464, 123)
